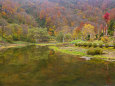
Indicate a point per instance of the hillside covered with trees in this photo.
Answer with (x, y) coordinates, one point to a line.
(63, 20)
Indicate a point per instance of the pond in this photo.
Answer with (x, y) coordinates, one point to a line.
(41, 66)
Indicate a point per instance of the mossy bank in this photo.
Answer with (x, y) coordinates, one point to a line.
(83, 52)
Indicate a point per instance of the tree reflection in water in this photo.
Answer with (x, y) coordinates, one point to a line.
(40, 66)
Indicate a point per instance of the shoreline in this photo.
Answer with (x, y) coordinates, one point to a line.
(77, 52)
(12, 46)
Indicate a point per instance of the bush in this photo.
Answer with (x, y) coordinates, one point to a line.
(59, 37)
(105, 39)
(76, 41)
(68, 37)
(106, 45)
(9, 39)
(91, 51)
(94, 45)
(81, 44)
(85, 44)
(76, 44)
(114, 45)
(101, 45)
(90, 44)
(96, 51)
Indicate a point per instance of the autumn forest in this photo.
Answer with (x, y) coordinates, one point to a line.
(22, 19)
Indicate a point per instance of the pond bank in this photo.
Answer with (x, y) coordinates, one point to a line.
(21, 44)
(12, 46)
(109, 54)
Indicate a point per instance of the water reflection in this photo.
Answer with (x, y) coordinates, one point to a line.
(108, 77)
(40, 66)
(86, 58)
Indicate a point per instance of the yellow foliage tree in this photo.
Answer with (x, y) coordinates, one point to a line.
(76, 33)
(88, 29)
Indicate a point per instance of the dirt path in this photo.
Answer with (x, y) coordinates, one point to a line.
(11, 46)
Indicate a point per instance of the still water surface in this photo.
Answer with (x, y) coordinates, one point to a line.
(40, 66)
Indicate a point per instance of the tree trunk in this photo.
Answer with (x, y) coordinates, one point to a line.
(106, 29)
(2, 32)
(90, 36)
(63, 38)
(114, 36)
(75, 38)
(82, 38)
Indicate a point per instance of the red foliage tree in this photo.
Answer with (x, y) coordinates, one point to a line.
(107, 17)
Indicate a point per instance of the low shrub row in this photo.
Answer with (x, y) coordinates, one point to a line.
(93, 45)
(94, 51)
(114, 45)
(101, 45)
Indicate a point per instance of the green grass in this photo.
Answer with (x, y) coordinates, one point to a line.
(22, 42)
(44, 44)
(67, 51)
(19, 42)
(76, 41)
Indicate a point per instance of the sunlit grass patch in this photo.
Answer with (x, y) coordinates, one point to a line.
(72, 51)
(19, 42)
